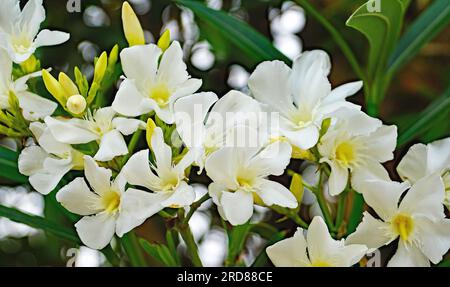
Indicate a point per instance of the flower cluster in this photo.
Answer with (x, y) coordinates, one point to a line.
(240, 142)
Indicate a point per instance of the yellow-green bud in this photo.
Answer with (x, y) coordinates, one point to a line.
(76, 104)
(100, 67)
(151, 126)
(164, 40)
(131, 26)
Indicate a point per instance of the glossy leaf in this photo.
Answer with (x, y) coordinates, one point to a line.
(430, 23)
(381, 28)
(438, 108)
(254, 45)
(8, 166)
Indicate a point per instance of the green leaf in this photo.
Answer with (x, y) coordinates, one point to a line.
(40, 223)
(236, 241)
(430, 23)
(250, 42)
(160, 252)
(381, 29)
(172, 243)
(437, 109)
(8, 166)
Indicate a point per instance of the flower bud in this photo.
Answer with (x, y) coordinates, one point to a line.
(54, 87)
(76, 104)
(296, 187)
(131, 26)
(298, 153)
(164, 40)
(100, 67)
(151, 126)
(68, 85)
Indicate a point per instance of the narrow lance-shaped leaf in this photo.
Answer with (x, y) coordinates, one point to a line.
(431, 22)
(8, 166)
(250, 42)
(426, 118)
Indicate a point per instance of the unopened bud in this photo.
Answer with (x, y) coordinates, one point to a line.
(76, 104)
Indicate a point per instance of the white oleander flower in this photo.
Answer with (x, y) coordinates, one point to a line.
(33, 106)
(423, 160)
(204, 132)
(358, 144)
(318, 249)
(101, 205)
(239, 177)
(48, 162)
(302, 95)
(104, 126)
(154, 81)
(418, 221)
(19, 30)
(164, 178)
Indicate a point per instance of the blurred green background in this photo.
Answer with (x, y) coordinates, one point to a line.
(97, 27)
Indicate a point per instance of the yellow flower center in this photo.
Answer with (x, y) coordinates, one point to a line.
(161, 94)
(245, 182)
(170, 182)
(345, 153)
(403, 225)
(21, 43)
(320, 263)
(111, 201)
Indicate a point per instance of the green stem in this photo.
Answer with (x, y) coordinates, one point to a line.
(356, 211)
(134, 141)
(340, 210)
(337, 37)
(323, 204)
(131, 245)
(186, 234)
(291, 214)
(195, 206)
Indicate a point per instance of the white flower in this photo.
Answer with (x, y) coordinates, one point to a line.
(302, 96)
(101, 205)
(203, 132)
(318, 249)
(240, 174)
(104, 126)
(19, 30)
(166, 179)
(47, 163)
(418, 221)
(33, 106)
(423, 160)
(358, 143)
(154, 81)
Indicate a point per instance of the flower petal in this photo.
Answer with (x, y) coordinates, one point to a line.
(33, 14)
(78, 198)
(48, 178)
(35, 107)
(137, 171)
(269, 84)
(183, 196)
(381, 143)
(237, 206)
(320, 243)
(71, 131)
(371, 232)
(50, 38)
(289, 252)
(172, 69)
(112, 144)
(135, 207)
(342, 92)
(272, 192)
(304, 138)
(434, 237)
(129, 101)
(383, 196)
(99, 178)
(338, 177)
(96, 231)
(272, 160)
(425, 198)
(408, 169)
(127, 126)
(408, 256)
(31, 160)
(140, 63)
